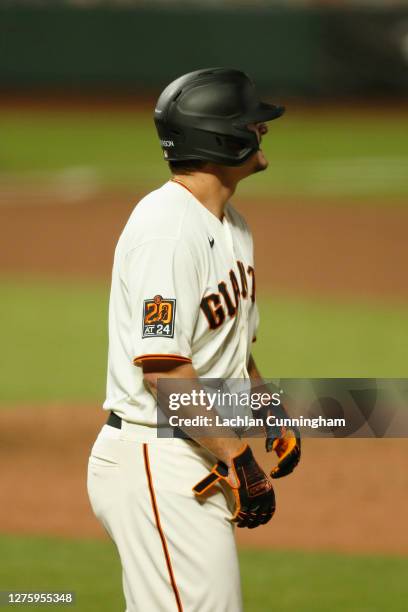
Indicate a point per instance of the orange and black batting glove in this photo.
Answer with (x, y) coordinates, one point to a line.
(286, 443)
(253, 491)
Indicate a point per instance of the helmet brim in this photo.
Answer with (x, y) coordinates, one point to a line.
(261, 114)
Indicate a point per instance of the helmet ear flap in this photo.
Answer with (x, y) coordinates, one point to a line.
(178, 135)
(234, 149)
(235, 145)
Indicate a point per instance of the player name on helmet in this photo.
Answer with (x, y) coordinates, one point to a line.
(167, 143)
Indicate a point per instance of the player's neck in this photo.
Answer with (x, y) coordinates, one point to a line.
(211, 190)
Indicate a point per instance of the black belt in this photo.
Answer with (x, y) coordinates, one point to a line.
(115, 421)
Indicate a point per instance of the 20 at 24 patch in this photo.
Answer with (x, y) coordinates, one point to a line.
(159, 315)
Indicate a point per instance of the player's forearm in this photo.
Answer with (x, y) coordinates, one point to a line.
(253, 371)
(206, 436)
(225, 449)
(259, 385)
(257, 382)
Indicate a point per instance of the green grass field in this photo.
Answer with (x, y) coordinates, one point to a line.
(313, 156)
(288, 581)
(54, 340)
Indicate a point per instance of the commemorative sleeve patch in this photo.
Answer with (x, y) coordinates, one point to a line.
(158, 317)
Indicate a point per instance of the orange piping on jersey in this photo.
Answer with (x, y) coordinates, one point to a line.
(159, 527)
(150, 357)
(174, 180)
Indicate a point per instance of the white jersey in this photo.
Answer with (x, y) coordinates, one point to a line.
(183, 287)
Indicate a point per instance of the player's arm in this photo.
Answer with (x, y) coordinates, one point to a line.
(253, 371)
(236, 465)
(284, 441)
(223, 448)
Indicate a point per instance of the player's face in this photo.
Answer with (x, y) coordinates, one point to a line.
(258, 162)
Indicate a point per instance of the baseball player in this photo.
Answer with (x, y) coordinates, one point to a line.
(183, 306)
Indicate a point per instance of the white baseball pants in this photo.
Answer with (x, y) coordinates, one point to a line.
(178, 553)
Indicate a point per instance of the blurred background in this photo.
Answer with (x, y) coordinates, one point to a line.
(78, 148)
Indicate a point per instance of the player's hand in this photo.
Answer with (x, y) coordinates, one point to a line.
(253, 491)
(287, 445)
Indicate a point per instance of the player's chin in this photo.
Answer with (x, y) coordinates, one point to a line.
(260, 162)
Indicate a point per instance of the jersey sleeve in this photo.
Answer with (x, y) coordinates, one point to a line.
(164, 296)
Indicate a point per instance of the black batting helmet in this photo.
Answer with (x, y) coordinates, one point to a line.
(204, 115)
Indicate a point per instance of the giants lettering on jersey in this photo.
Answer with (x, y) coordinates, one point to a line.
(217, 306)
